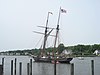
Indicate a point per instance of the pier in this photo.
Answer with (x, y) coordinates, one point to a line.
(16, 68)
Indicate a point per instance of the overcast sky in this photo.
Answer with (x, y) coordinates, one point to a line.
(18, 18)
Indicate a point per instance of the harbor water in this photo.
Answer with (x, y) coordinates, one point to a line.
(81, 66)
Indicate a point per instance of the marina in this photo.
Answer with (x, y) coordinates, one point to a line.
(68, 43)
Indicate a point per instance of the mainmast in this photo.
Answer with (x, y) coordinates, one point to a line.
(57, 29)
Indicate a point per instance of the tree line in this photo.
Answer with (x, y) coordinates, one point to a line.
(76, 50)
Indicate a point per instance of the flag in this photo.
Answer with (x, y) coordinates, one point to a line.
(63, 10)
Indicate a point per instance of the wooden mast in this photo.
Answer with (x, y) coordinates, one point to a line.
(45, 35)
(57, 31)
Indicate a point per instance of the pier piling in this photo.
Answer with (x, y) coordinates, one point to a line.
(1, 70)
(30, 67)
(54, 67)
(20, 68)
(27, 68)
(11, 67)
(2, 65)
(3, 62)
(92, 67)
(15, 67)
(72, 69)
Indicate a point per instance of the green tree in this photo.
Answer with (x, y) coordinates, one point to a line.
(60, 48)
(95, 47)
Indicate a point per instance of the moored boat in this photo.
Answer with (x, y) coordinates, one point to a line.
(47, 58)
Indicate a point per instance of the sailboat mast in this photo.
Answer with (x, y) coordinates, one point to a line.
(45, 34)
(57, 31)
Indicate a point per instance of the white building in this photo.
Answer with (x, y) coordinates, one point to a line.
(67, 52)
(96, 52)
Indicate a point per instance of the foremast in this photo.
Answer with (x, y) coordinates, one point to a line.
(45, 35)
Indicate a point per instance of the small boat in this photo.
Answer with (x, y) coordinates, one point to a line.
(47, 58)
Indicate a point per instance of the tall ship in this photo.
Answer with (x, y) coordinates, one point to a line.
(55, 56)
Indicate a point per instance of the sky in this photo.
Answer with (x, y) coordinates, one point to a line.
(19, 18)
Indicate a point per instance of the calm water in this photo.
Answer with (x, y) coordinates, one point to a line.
(82, 67)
